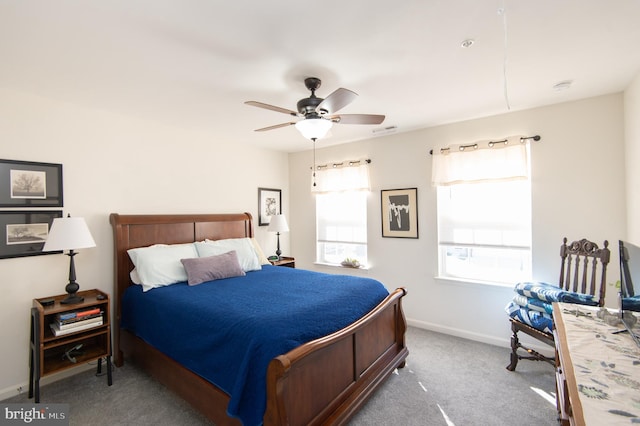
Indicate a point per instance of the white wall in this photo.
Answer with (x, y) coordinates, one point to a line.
(115, 164)
(578, 191)
(120, 164)
(632, 158)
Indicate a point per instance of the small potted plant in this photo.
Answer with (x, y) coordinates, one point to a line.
(350, 263)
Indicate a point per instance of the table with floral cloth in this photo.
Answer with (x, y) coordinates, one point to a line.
(601, 369)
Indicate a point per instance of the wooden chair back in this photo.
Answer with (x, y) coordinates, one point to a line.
(584, 268)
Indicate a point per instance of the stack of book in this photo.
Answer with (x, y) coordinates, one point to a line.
(74, 321)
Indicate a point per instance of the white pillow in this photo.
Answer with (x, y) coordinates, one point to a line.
(261, 257)
(134, 277)
(243, 247)
(159, 265)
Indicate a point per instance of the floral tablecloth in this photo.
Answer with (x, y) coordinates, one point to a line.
(606, 367)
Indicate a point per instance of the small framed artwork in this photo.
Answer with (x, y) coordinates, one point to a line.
(269, 204)
(399, 213)
(23, 233)
(29, 184)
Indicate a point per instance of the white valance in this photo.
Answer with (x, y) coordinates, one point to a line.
(345, 176)
(481, 161)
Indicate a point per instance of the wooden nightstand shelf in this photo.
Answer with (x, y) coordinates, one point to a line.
(289, 262)
(50, 354)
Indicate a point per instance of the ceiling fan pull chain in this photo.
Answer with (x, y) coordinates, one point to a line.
(314, 161)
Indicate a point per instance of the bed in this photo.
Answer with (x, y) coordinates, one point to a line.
(323, 381)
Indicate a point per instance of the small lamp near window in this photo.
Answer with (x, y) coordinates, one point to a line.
(69, 233)
(278, 224)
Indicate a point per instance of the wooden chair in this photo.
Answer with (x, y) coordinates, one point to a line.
(582, 262)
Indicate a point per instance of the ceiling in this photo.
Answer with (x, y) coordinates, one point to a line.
(193, 63)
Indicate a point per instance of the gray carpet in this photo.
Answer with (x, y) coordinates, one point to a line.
(447, 381)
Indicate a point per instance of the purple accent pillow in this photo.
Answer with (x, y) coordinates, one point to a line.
(202, 269)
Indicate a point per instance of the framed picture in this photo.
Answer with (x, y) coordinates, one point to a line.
(399, 212)
(28, 184)
(269, 204)
(23, 233)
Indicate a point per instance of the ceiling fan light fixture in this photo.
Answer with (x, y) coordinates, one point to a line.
(314, 128)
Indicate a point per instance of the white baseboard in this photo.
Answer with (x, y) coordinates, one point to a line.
(23, 387)
(483, 338)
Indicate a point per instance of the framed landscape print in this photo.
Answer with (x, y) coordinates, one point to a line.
(23, 233)
(399, 213)
(28, 184)
(269, 204)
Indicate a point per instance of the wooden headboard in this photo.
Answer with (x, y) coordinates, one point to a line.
(131, 231)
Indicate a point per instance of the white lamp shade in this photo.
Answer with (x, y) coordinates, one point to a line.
(68, 233)
(278, 223)
(314, 128)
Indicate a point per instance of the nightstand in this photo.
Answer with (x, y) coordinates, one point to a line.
(65, 336)
(289, 262)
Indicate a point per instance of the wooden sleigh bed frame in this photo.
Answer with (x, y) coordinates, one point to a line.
(324, 381)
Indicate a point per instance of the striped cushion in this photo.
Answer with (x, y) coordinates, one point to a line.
(551, 293)
(533, 304)
(538, 320)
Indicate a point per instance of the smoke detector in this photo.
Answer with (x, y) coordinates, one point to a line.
(562, 85)
(467, 43)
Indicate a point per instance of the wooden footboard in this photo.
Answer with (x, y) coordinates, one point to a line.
(327, 380)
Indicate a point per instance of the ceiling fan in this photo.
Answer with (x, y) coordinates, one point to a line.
(319, 114)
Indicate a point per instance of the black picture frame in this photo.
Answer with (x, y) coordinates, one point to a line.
(399, 212)
(23, 233)
(269, 204)
(28, 184)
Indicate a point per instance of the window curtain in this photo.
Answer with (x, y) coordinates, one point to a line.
(337, 178)
(481, 162)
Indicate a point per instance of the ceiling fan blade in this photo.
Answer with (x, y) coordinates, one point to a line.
(272, 107)
(358, 119)
(337, 100)
(277, 126)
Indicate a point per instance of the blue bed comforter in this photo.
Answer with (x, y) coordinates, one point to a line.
(228, 330)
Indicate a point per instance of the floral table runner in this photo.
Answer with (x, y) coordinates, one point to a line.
(606, 365)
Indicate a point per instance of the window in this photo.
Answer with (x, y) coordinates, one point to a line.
(341, 212)
(484, 212)
(341, 227)
(484, 231)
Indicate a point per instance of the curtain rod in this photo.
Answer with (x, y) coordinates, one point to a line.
(342, 163)
(490, 143)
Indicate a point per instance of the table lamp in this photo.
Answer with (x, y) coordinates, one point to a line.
(69, 233)
(278, 224)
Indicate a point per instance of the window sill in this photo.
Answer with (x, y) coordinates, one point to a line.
(466, 281)
(337, 265)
